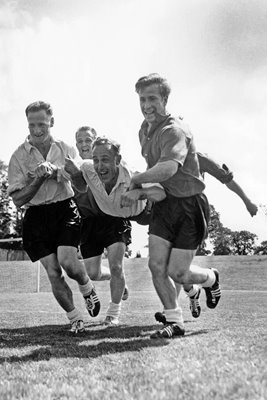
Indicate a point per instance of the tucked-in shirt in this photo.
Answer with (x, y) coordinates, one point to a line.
(87, 204)
(170, 139)
(110, 203)
(207, 164)
(23, 164)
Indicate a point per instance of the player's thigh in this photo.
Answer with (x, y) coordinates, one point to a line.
(159, 253)
(68, 257)
(179, 262)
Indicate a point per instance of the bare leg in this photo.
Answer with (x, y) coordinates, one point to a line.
(117, 282)
(181, 270)
(60, 288)
(68, 259)
(95, 270)
(159, 252)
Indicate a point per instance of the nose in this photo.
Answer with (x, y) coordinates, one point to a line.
(36, 129)
(146, 105)
(100, 165)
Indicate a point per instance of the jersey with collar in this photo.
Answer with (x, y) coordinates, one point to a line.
(170, 139)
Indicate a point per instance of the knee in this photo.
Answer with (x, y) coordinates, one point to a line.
(55, 276)
(94, 275)
(73, 269)
(157, 268)
(116, 271)
(178, 276)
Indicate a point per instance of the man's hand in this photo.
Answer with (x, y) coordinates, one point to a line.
(70, 166)
(44, 170)
(130, 197)
(252, 208)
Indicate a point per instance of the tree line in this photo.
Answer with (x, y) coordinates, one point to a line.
(224, 241)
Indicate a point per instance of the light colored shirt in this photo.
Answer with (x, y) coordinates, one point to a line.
(22, 167)
(170, 139)
(110, 203)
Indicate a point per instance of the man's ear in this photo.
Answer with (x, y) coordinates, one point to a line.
(165, 100)
(118, 159)
(52, 122)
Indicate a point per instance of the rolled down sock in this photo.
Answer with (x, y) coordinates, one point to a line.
(74, 315)
(86, 288)
(210, 279)
(174, 315)
(114, 310)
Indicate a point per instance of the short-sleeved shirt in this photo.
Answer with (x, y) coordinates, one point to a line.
(207, 164)
(23, 164)
(110, 203)
(171, 140)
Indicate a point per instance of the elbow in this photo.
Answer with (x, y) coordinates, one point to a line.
(17, 201)
(173, 168)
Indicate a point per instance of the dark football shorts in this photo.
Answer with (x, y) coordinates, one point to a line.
(97, 233)
(46, 227)
(144, 217)
(181, 221)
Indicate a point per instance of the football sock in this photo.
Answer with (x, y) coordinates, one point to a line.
(87, 288)
(174, 315)
(114, 310)
(192, 291)
(210, 279)
(74, 315)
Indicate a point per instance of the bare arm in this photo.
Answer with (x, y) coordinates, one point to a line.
(76, 175)
(251, 207)
(23, 196)
(159, 173)
(153, 193)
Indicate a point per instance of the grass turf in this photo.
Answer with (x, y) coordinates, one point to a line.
(222, 355)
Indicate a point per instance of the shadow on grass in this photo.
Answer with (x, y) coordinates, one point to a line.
(50, 341)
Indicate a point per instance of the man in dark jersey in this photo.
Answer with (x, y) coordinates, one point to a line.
(178, 223)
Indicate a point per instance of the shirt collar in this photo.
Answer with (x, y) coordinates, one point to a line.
(154, 126)
(28, 146)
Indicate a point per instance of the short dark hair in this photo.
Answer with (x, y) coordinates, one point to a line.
(37, 106)
(87, 128)
(102, 140)
(152, 79)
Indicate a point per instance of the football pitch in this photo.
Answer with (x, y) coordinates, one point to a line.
(223, 354)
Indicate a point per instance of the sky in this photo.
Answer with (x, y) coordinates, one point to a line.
(85, 56)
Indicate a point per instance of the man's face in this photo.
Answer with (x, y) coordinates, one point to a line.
(106, 163)
(152, 103)
(39, 124)
(84, 144)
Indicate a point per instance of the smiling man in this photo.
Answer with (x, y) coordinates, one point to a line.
(89, 210)
(179, 222)
(108, 177)
(51, 224)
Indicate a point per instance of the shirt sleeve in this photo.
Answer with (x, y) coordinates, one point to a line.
(173, 146)
(87, 169)
(16, 178)
(207, 164)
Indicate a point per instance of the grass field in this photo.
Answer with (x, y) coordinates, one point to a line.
(223, 354)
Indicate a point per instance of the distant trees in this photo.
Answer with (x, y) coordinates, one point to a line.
(10, 216)
(225, 241)
(262, 248)
(5, 208)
